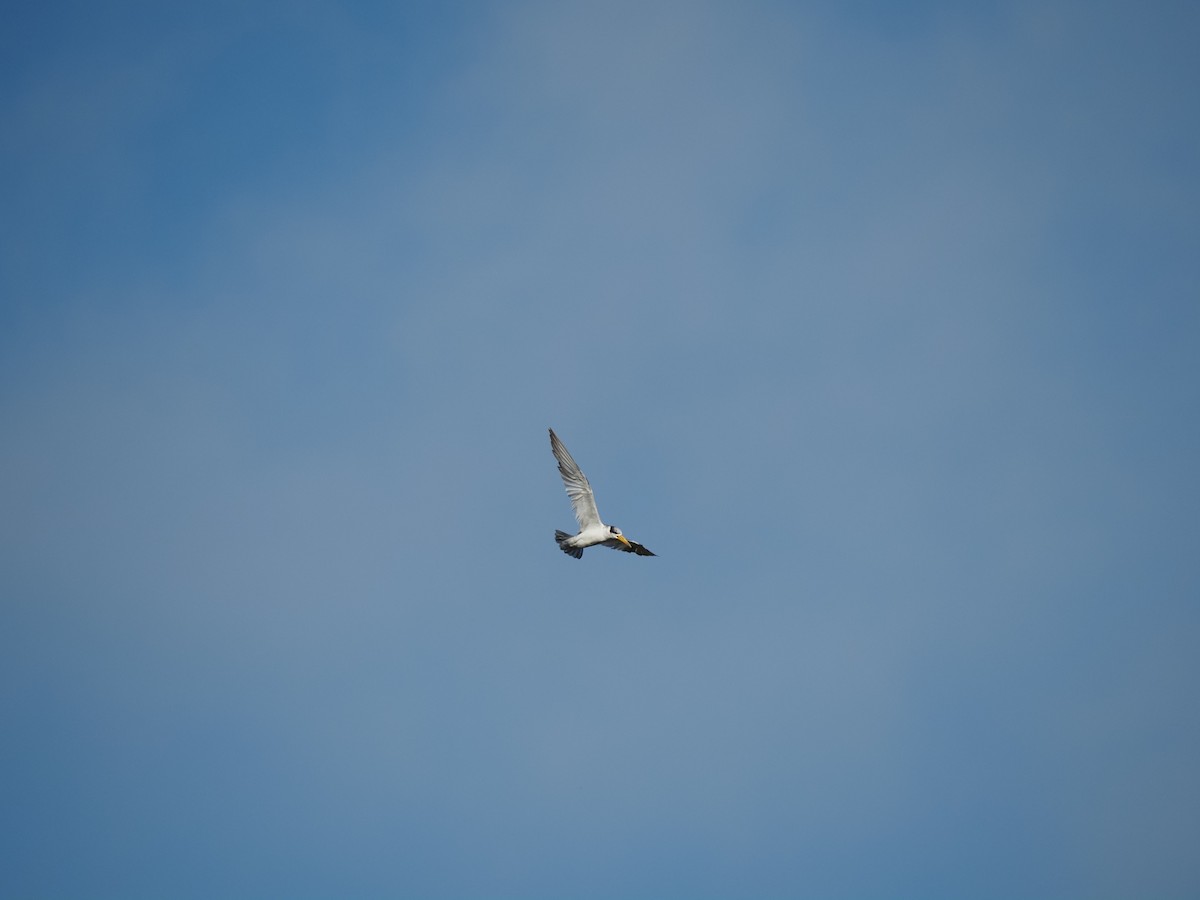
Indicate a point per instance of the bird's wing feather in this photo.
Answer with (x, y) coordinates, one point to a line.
(576, 483)
(634, 547)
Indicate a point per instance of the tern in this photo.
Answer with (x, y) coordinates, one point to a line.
(591, 530)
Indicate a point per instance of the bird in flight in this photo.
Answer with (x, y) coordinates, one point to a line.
(591, 530)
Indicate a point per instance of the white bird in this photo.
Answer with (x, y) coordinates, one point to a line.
(591, 530)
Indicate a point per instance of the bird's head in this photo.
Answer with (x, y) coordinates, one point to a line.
(616, 533)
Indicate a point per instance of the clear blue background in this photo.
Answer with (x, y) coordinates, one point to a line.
(879, 322)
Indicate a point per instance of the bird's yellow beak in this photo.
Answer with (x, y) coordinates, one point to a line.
(623, 539)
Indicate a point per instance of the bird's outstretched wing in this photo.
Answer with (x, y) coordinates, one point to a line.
(576, 483)
(634, 547)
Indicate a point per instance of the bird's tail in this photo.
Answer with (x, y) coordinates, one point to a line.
(561, 536)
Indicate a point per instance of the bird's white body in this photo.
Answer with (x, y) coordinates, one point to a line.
(589, 537)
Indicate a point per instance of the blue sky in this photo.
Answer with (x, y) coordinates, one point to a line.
(879, 323)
